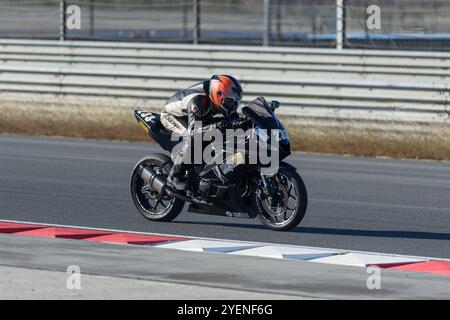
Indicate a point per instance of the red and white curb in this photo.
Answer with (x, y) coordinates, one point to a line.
(275, 251)
(100, 235)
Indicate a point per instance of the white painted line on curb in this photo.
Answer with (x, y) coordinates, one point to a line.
(206, 246)
(364, 260)
(285, 252)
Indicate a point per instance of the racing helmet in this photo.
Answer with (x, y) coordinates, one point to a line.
(225, 93)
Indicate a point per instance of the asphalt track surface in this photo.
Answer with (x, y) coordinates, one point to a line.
(379, 205)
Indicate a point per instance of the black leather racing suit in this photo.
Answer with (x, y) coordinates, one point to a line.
(182, 110)
(187, 106)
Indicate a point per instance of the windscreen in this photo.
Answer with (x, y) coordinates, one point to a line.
(259, 111)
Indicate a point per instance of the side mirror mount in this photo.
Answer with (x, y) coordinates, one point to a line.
(274, 104)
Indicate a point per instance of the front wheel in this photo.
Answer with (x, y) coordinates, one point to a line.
(286, 205)
(151, 204)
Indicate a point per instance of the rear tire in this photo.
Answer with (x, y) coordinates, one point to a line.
(165, 208)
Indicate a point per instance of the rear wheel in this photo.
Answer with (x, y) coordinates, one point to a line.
(151, 204)
(285, 208)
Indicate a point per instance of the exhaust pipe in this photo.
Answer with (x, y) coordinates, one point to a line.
(155, 181)
(158, 182)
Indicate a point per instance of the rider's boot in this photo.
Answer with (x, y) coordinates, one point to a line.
(177, 177)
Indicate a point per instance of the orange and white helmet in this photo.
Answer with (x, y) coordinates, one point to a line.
(225, 92)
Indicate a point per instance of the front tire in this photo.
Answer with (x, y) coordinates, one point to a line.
(292, 191)
(151, 204)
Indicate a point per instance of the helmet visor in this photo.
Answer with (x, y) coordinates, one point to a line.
(237, 94)
(230, 104)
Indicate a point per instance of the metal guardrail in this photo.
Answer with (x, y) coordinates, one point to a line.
(318, 83)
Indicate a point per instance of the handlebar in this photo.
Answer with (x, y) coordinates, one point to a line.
(242, 124)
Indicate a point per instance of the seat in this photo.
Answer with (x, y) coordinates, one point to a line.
(152, 121)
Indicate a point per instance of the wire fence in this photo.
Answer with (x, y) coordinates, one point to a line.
(404, 24)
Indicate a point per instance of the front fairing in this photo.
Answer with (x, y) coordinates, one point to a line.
(264, 119)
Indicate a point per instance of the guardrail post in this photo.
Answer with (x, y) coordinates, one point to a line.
(340, 23)
(196, 30)
(62, 20)
(266, 22)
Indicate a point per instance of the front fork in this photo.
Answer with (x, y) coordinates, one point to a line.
(268, 189)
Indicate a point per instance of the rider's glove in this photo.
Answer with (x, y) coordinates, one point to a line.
(225, 124)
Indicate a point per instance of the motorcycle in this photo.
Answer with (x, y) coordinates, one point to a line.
(235, 188)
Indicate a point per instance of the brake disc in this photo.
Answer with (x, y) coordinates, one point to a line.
(281, 199)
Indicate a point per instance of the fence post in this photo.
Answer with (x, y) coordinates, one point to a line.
(184, 22)
(278, 21)
(91, 18)
(266, 22)
(62, 20)
(196, 30)
(340, 24)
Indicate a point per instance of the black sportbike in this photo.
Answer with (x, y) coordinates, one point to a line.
(232, 188)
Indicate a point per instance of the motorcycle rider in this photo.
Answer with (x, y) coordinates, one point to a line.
(201, 102)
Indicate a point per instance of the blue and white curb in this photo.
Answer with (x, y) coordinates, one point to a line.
(318, 255)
